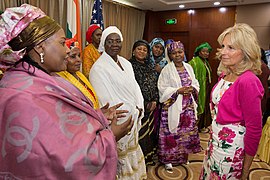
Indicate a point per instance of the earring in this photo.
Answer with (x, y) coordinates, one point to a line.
(41, 58)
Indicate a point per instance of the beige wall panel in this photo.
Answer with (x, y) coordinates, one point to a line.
(258, 17)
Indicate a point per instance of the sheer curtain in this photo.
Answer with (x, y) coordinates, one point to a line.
(87, 6)
(57, 9)
(129, 20)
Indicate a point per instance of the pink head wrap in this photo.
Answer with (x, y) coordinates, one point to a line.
(13, 22)
(16, 19)
(90, 32)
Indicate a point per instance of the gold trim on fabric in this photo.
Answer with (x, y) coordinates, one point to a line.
(124, 153)
(76, 83)
(146, 132)
(135, 170)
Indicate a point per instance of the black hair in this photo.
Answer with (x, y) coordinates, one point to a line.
(145, 43)
(263, 58)
(26, 60)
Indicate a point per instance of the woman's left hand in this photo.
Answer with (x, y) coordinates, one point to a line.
(123, 129)
(151, 106)
(140, 111)
(112, 112)
(190, 89)
(185, 90)
(158, 68)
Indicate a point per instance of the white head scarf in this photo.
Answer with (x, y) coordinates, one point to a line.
(109, 30)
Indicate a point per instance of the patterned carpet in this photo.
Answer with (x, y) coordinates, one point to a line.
(259, 170)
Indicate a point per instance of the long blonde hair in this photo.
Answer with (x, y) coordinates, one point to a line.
(243, 37)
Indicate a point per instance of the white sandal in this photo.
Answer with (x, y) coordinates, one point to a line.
(169, 168)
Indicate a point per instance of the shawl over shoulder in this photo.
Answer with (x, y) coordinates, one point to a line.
(168, 83)
(114, 85)
(49, 130)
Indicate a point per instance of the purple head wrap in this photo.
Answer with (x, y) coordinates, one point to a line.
(175, 45)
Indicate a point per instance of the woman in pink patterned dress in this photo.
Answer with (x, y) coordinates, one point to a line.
(48, 128)
(235, 106)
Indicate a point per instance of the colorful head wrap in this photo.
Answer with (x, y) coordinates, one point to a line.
(200, 47)
(109, 30)
(157, 41)
(36, 32)
(154, 42)
(91, 29)
(175, 45)
(8, 57)
(169, 41)
(14, 20)
(24, 27)
(71, 43)
(161, 57)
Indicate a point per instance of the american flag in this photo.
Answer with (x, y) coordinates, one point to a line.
(97, 17)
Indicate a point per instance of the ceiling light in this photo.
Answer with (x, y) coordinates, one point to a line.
(216, 3)
(191, 11)
(181, 5)
(223, 9)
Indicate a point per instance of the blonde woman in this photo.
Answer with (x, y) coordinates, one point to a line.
(235, 106)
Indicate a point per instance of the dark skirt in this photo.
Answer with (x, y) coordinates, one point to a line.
(148, 138)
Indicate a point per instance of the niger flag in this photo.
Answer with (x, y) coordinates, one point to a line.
(74, 20)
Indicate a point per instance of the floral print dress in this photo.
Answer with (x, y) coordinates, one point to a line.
(225, 152)
(175, 147)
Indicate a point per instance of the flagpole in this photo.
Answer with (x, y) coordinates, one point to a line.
(78, 23)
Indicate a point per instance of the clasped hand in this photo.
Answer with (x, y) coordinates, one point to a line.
(185, 90)
(151, 106)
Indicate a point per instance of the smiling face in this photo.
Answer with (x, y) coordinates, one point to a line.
(113, 45)
(55, 53)
(177, 55)
(230, 55)
(140, 53)
(74, 60)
